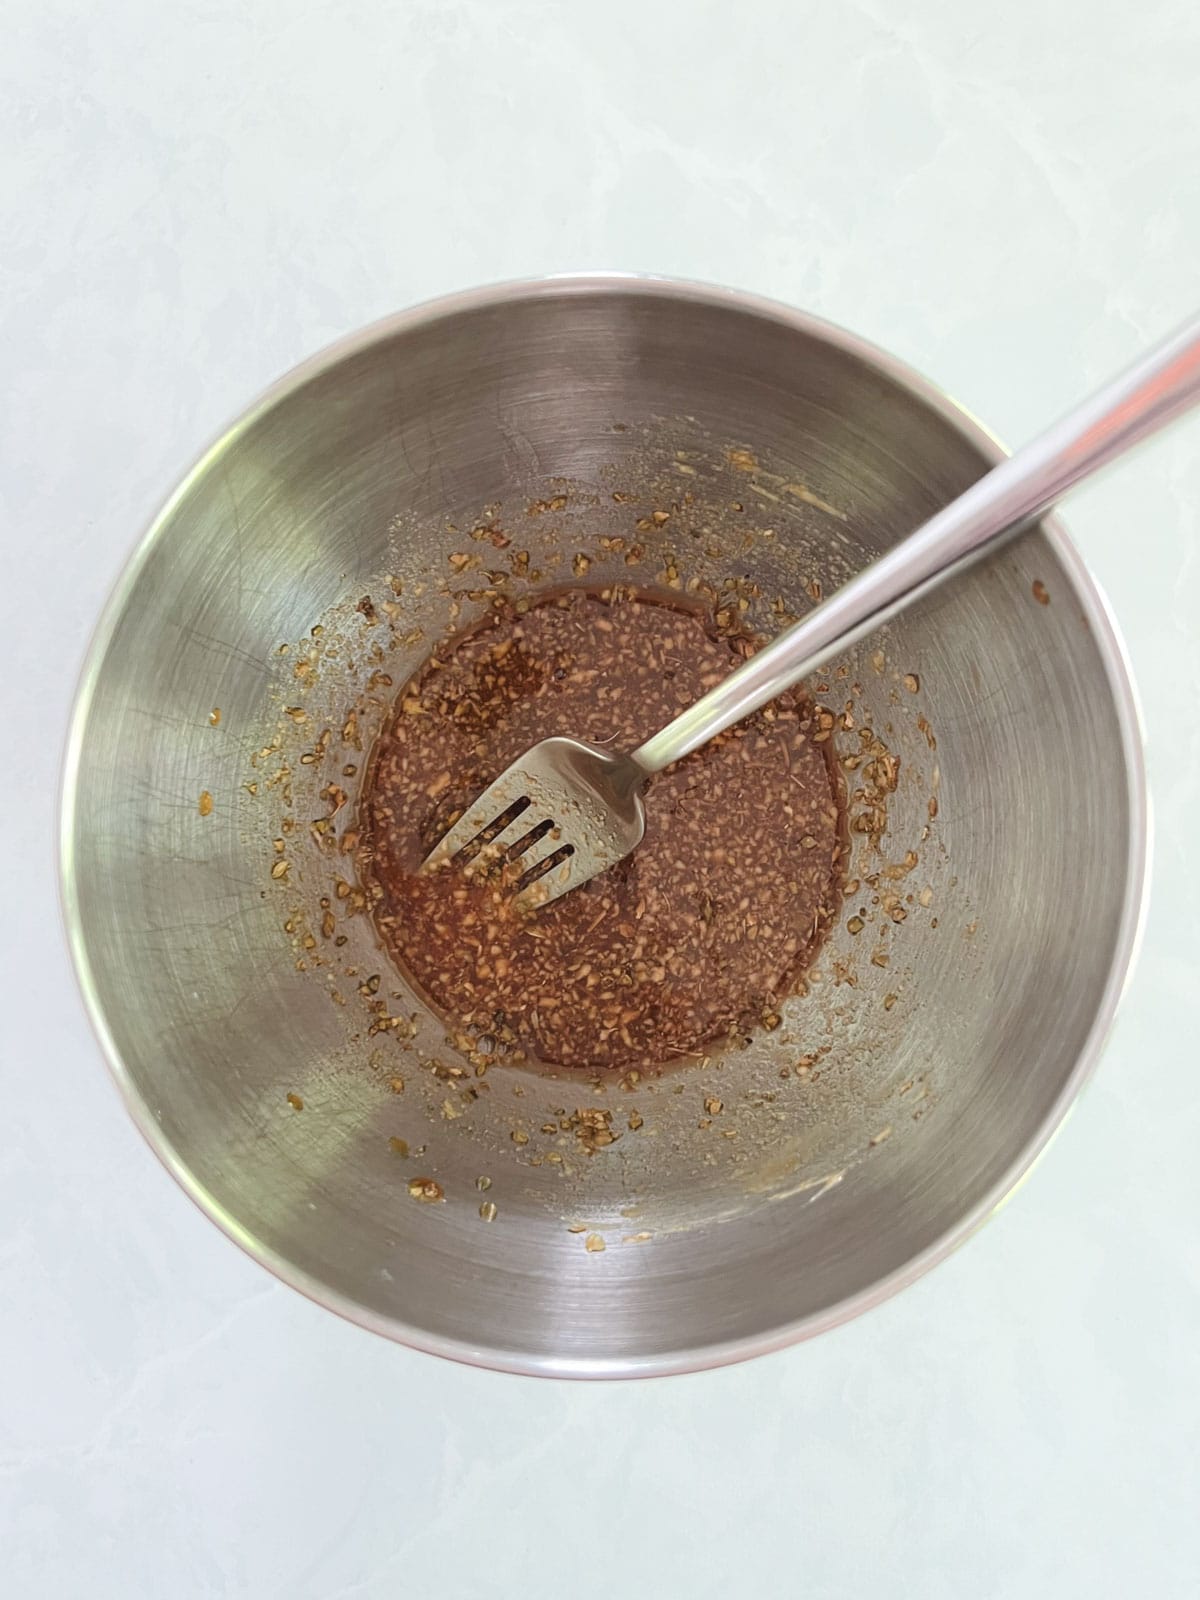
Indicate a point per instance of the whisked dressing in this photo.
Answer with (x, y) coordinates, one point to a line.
(702, 931)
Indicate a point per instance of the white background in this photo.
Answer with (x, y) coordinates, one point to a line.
(194, 196)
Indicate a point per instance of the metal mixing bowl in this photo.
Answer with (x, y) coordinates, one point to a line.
(892, 1109)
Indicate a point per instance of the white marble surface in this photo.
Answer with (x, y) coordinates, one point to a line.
(195, 196)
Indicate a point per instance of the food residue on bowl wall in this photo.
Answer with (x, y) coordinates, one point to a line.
(337, 702)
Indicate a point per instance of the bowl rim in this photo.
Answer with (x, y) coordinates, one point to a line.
(1114, 655)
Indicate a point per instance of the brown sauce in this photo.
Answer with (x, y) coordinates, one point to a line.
(699, 933)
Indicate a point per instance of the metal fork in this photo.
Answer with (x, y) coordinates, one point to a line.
(566, 811)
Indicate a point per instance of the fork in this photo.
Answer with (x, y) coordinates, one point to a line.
(566, 811)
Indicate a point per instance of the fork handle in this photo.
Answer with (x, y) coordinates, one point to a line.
(1157, 389)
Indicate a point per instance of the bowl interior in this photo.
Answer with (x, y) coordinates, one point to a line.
(933, 1052)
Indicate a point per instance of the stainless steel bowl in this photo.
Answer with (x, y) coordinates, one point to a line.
(895, 1107)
